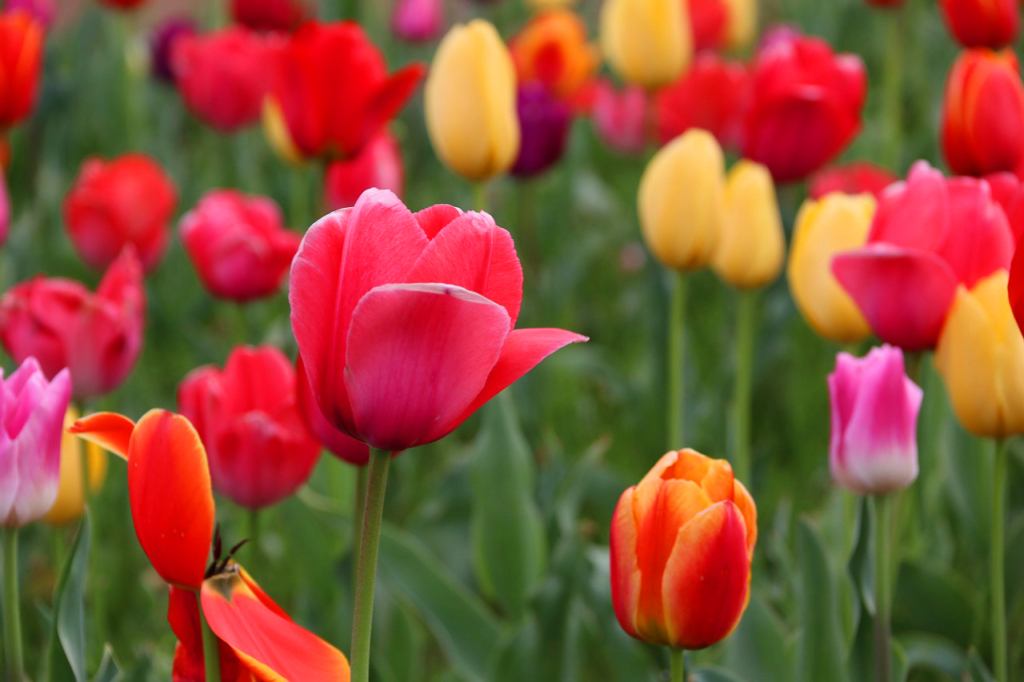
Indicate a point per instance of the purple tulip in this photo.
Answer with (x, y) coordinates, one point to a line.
(875, 405)
(32, 419)
(161, 43)
(417, 21)
(544, 121)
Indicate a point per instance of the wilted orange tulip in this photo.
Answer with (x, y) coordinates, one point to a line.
(21, 57)
(681, 545)
(553, 49)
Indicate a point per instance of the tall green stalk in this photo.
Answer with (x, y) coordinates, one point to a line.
(746, 325)
(678, 662)
(211, 651)
(366, 571)
(892, 88)
(357, 517)
(12, 615)
(883, 588)
(998, 563)
(677, 361)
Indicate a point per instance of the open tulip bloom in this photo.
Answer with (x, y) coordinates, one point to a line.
(172, 507)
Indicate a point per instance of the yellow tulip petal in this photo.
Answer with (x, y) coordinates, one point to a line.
(752, 243)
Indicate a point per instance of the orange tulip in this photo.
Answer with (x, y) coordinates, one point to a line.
(21, 58)
(681, 545)
(553, 49)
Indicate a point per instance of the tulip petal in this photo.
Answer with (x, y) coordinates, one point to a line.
(392, 96)
(171, 498)
(273, 647)
(913, 214)
(339, 443)
(109, 430)
(433, 218)
(904, 294)
(523, 350)
(474, 253)
(625, 574)
(707, 578)
(982, 241)
(745, 503)
(1015, 287)
(183, 616)
(418, 354)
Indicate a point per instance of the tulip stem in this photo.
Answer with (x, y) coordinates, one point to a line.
(998, 563)
(676, 361)
(211, 652)
(746, 325)
(883, 588)
(678, 662)
(12, 615)
(480, 196)
(366, 571)
(357, 518)
(892, 88)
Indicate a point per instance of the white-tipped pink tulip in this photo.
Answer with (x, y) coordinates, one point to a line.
(31, 424)
(873, 448)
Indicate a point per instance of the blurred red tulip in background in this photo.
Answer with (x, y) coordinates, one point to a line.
(709, 95)
(982, 23)
(855, 177)
(122, 4)
(270, 15)
(620, 117)
(21, 59)
(379, 165)
(128, 200)
(552, 48)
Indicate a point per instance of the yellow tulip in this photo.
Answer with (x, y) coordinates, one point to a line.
(541, 5)
(470, 100)
(834, 223)
(742, 27)
(681, 200)
(981, 359)
(752, 244)
(647, 42)
(71, 488)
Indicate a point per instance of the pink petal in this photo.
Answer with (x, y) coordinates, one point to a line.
(339, 443)
(433, 218)
(915, 213)
(418, 354)
(474, 253)
(979, 241)
(843, 385)
(5, 209)
(904, 294)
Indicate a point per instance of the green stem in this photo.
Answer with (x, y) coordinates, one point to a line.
(12, 615)
(211, 653)
(357, 516)
(480, 196)
(892, 88)
(883, 588)
(998, 563)
(746, 326)
(678, 662)
(676, 361)
(366, 575)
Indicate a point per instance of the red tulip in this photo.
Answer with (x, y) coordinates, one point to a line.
(1008, 191)
(620, 117)
(983, 114)
(929, 235)
(238, 244)
(224, 76)
(710, 95)
(113, 204)
(122, 4)
(379, 165)
(59, 322)
(709, 23)
(331, 92)
(188, 666)
(248, 417)
(805, 105)
(338, 443)
(21, 59)
(406, 321)
(173, 512)
(856, 177)
(982, 23)
(269, 15)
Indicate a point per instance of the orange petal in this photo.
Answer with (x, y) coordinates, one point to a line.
(274, 648)
(171, 498)
(706, 580)
(625, 574)
(745, 503)
(108, 430)
(718, 481)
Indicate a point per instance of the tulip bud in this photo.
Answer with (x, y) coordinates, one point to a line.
(552, 48)
(983, 114)
(21, 60)
(742, 26)
(681, 201)
(681, 545)
(620, 117)
(836, 223)
(873, 448)
(982, 23)
(752, 244)
(855, 177)
(34, 409)
(417, 20)
(544, 122)
(470, 102)
(981, 359)
(647, 42)
(83, 466)
(378, 165)
(710, 95)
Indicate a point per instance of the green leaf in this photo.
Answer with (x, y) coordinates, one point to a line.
(66, 656)
(978, 670)
(933, 599)
(758, 647)
(464, 628)
(507, 533)
(109, 670)
(936, 654)
(820, 647)
(714, 674)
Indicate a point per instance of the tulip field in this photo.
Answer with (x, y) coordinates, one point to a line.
(511, 340)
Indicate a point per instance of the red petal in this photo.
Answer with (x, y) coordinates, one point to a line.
(339, 443)
(108, 430)
(904, 294)
(183, 615)
(915, 213)
(433, 218)
(1016, 287)
(418, 354)
(272, 647)
(979, 241)
(393, 95)
(625, 574)
(170, 495)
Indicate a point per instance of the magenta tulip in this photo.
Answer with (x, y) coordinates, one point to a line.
(33, 422)
(417, 20)
(405, 322)
(873, 449)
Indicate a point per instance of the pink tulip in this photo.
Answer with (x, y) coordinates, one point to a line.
(5, 209)
(620, 117)
(1008, 192)
(405, 322)
(873, 448)
(338, 443)
(378, 165)
(417, 20)
(238, 244)
(929, 235)
(32, 424)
